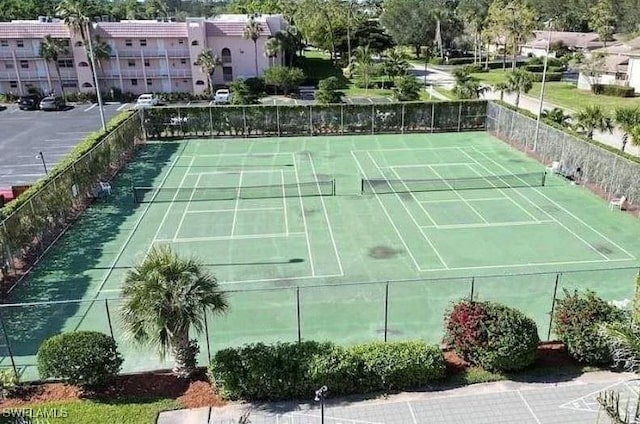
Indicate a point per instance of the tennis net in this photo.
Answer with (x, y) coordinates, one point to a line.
(190, 194)
(382, 186)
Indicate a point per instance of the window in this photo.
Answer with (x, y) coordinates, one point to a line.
(226, 55)
(83, 64)
(199, 82)
(4, 43)
(65, 63)
(149, 82)
(13, 84)
(69, 84)
(134, 82)
(20, 43)
(78, 44)
(24, 64)
(128, 43)
(146, 63)
(227, 73)
(143, 42)
(65, 43)
(194, 43)
(8, 65)
(87, 85)
(181, 42)
(131, 63)
(183, 61)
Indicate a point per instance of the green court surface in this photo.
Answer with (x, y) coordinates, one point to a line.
(291, 258)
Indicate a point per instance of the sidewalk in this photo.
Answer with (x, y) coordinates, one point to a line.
(565, 402)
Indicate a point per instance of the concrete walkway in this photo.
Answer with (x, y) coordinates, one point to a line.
(566, 402)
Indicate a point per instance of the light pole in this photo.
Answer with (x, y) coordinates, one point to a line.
(95, 77)
(544, 77)
(320, 395)
(40, 156)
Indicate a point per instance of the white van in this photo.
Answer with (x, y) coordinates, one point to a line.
(146, 100)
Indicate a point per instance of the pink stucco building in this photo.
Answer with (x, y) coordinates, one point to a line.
(146, 56)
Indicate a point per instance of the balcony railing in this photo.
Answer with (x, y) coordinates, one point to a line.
(150, 73)
(33, 75)
(150, 52)
(20, 54)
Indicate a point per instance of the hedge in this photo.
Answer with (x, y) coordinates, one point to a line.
(540, 68)
(549, 76)
(295, 370)
(613, 90)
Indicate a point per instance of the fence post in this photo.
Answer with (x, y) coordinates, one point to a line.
(341, 119)
(402, 111)
(6, 341)
(8, 247)
(144, 128)
(459, 116)
(244, 121)
(106, 307)
(473, 288)
(373, 119)
(553, 305)
(298, 313)
(206, 334)
(211, 121)
(386, 310)
(433, 116)
(278, 119)
(310, 120)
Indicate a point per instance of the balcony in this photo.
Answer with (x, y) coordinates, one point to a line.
(33, 75)
(150, 53)
(149, 73)
(20, 54)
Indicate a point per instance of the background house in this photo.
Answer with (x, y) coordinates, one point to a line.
(621, 66)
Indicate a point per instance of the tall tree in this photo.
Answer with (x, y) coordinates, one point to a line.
(514, 20)
(519, 82)
(557, 116)
(592, 118)
(208, 62)
(475, 12)
(410, 22)
(363, 65)
(602, 20)
(164, 297)
(271, 48)
(252, 31)
(395, 63)
(628, 118)
(320, 22)
(101, 51)
(50, 50)
(467, 87)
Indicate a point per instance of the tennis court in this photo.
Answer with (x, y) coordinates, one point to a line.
(289, 225)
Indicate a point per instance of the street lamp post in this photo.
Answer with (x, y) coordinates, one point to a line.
(320, 395)
(544, 78)
(95, 79)
(44, 164)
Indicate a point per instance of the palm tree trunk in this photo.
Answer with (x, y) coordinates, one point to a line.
(501, 95)
(59, 79)
(517, 98)
(255, 55)
(181, 352)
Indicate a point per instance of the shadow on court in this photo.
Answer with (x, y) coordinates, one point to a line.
(62, 274)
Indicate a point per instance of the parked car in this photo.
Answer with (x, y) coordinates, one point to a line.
(52, 103)
(222, 97)
(146, 100)
(29, 102)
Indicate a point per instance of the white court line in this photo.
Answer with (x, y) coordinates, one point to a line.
(500, 190)
(413, 196)
(570, 214)
(329, 417)
(458, 194)
(240, 169)
(166, 213)
(408, 148)
(214, 238)
(413, 415)
(244, 155)
(237, 204)
(384, 209)
(90, 107)
(133, 230)
(424, 235)
(481, 199)
(465, 268)
(529, 407)
(304, 218)
(284, 203)
(489, 224)
(186, 208)
(424, 165)
(326, 215)
(231, 210)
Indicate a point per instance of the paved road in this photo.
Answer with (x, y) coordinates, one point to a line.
(26, 133)
(507, 402)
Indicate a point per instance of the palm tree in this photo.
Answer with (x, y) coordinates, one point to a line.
(556, 115)
(395, 62)
(627, 118)
(271, 48)
(252, 32)
(208, 62)
(519, 81)
(363, 63)
(593, 118)
(164, 296)
(76, 15)
(467, 87)
(101, 51)
(501, 87)
(290, 43)
(50, 50)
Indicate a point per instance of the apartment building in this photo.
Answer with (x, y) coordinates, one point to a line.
(144, 56)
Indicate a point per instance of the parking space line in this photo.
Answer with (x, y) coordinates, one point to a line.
(122, 107)
(90, 107)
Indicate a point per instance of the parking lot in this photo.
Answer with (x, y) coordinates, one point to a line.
(24, 134)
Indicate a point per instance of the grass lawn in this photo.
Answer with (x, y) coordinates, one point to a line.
(492, 77)
(447, 93)
(90, 412)
(568, 96)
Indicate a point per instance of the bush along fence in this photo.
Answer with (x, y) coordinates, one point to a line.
(31, 223)
(306, 120)
(614, 173)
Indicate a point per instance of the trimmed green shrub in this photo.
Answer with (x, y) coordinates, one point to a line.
(540, 68)
(87, 359)
(576, 320)
(613, 90)
(8, 382)
(491, 335)
(549, 76)
(294, 370)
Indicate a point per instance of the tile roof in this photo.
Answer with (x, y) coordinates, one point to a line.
(27, 30)
(581, 40)
(142, 29)
(234, 28)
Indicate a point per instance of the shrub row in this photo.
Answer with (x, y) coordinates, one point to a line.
(295, 370)
(550, 76)
(535, 68)
(613, 90)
